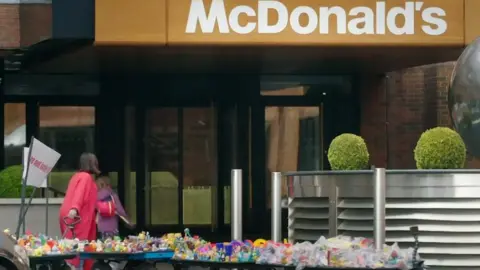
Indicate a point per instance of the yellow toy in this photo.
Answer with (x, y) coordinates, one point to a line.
(259, 242)
(38, 252)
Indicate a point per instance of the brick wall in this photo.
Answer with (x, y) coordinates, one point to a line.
(9, 26)
(397, 109)
(35, 23)
(24, 25)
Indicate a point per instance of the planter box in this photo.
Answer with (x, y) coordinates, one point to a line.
(35, 219)
(444, 204)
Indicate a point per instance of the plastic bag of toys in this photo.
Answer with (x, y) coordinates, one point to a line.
(350, 258)
(394, 256)
(270, 254)
(307, 254)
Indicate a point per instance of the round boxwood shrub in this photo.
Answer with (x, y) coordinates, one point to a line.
(440, 148)
(348, 152)
(11, 183)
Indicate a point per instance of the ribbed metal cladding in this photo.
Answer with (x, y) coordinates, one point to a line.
(445, 205)
(355, 217)
(449, 228)
(308, 219)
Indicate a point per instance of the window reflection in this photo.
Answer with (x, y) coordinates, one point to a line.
(293, 140)
(130, 176)
(14, 133)
(162, 153)
(70, 131)
(199, 165)
(311, 86)
(181, 139)
(127, 164)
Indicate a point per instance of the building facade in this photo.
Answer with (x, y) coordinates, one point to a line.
(172, 95)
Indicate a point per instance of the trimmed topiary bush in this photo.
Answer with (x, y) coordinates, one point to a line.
(11, 183)
(440, 148)
(348, 152)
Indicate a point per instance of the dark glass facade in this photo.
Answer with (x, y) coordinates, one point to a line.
(169, 151)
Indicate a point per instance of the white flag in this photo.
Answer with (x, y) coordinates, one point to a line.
(42, 160)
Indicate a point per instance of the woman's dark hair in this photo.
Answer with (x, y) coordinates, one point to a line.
(89, 163)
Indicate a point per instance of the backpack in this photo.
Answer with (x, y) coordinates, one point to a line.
(106, 207)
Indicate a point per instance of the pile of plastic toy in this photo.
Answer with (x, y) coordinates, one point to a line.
(193, 248)
(132, 244)
(41, 245)
(341, 251)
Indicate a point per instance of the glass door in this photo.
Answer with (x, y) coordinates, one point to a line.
(181, 168)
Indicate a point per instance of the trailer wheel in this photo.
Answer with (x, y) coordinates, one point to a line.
(100, 265)
(43, 267)
(5, 264)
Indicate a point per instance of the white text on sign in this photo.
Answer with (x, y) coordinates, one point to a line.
(40, 165)
(358, 20)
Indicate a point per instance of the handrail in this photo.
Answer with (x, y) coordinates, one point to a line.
(413, 171)
(56, 192)
(315, 173)
(357, 172)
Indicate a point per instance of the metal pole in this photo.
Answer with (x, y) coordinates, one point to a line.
(379, 207)
(333, 208)
(25, 210)
(236, 205)
(277, 207)
(47, 202)
(24, 183)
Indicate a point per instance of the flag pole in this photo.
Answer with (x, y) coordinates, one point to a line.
(24, 187)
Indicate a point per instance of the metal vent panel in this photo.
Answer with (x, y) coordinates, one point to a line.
(444, 204)
(309, 224)
(449, 228)
(309, 213)
(308, 218)
(355, 217)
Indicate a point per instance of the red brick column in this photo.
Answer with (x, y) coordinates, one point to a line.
(9, 26)
(22, 25)
(391, 124)
(35, 23)
(373, 126)
(392, 116)
(405, 115)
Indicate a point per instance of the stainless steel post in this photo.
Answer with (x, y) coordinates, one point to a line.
(379, 207)
(276, 206)
(333, 208)
(291, 183)
(236, 205)
(47, 198)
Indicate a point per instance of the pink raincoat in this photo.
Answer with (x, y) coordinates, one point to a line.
(81, 194)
